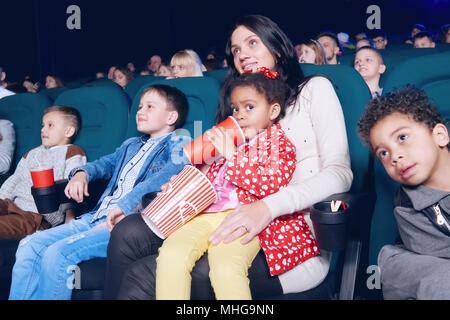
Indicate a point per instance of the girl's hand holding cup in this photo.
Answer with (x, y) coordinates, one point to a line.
(222, 142)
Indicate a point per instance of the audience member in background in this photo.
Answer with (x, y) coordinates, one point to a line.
(131, 67)
(111, 72)
(331, 46)
(122, 76)
(312, 52)
(415, 30)
(369, 63)
(153, 64)
(379, 39)
(19, 215)
(30, 85)
(444, 34)
(224, 63)
(360, 36)
(424, 39)
(344, 40)
(186, 63)
(53, 81)
(99, 75)
(7, 145)
(298, 48)
(164, 70)
(212, 64)
(3, 91)
(364, 42)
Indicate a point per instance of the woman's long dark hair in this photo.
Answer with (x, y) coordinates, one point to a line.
(278, 44)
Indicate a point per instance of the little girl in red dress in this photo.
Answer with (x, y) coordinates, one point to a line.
(254, 170)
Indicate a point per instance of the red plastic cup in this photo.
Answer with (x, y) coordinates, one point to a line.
(42, 178)
(201, 150)
(187, 196)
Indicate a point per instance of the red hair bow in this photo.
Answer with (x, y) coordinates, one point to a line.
(266, 71)
(269, 74)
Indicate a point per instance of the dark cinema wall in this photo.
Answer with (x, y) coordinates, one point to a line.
(35, 39)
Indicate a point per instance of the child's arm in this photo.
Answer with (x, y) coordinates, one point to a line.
(131, 203)
(16, 180)
(75, 157)
(7, 145)
(77, 188)
(102, 168)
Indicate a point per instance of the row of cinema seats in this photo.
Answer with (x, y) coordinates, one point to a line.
(371, 221)
(395, 55)
(108, 118)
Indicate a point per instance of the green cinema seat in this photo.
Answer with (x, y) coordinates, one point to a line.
(104, 114)
(203, 97)
(100, 82)
(25, 111)
(53, 93)
(133, 87)
(353, 94)
(439, 93)
(219, 74)
(419, 71)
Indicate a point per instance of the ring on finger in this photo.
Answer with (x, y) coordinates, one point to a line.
(246, 229)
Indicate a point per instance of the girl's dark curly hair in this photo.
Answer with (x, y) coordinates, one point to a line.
(274, 90)
(407, 100)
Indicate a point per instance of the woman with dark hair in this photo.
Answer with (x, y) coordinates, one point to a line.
(444, 34)
(53, 81)
(314, 122)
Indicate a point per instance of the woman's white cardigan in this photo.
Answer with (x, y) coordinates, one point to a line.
(315, 125)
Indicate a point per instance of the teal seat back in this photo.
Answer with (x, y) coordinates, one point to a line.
(393, 56)
(74, 84)
(133, 87)
(100, 82)
(104, 114)
(353, 94)
(53, 93)
(203, 97)
(219, 74)
(25, 111)
(439, 93)
(419, 71)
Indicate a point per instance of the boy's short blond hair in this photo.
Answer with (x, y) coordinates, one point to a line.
(71, 115)
(372, 49)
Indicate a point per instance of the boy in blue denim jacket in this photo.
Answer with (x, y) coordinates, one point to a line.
(139, 166)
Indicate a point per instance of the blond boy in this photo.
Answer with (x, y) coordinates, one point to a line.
(369, 63)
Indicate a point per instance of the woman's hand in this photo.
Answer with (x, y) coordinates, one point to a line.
(222, 141)
(250, 218)
(77, 187)
(114, 217)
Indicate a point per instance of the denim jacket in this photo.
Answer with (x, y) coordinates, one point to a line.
(165, 160)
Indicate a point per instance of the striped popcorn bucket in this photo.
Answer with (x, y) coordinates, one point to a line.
(188, 195)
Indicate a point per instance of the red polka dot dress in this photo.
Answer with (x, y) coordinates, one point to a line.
(261, 168)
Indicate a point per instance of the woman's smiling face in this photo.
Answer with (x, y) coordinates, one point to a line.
(249, 52)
